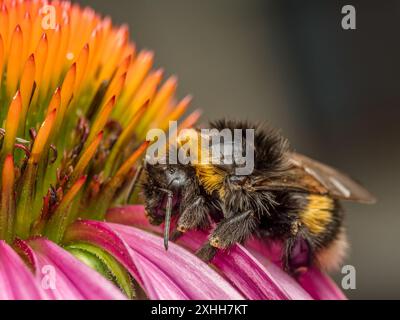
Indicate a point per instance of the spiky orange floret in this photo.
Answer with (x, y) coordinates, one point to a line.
(77, 99)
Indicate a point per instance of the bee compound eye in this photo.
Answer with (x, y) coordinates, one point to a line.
(171, 170)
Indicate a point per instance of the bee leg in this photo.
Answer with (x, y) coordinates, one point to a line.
(297, 254)
(235, 229)
(206, 252)
(229, 231)
(194, 209)
(194, 215)
(153, 199)
(175, 235)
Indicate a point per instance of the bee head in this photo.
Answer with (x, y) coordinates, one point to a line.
(169, 180)
(169, 176)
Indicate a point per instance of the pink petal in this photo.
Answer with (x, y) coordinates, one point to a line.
(248, 275)
(158, 285)
(172, 274)
(320, 286)
(131, 215)
(271, 250)
(17, 282)
(255, 280)
(258, 281)
(72, 278)
(106, 239)
(317, 284)
(184, 268)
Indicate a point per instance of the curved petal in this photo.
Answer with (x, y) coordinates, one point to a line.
(317, 283)
(105, 238)
(65, 277)
(320, 286)
(247, 274)
(258, 281)
(131, 215)
(17, 282)
(159, 286)
(255, 280)
(176, 274)
(257, 254)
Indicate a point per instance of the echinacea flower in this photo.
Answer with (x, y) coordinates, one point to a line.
(76, 101)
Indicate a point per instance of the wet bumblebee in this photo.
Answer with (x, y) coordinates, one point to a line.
(288, 197)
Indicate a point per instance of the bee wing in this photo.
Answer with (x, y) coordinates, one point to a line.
(323, 179)
(311, 176)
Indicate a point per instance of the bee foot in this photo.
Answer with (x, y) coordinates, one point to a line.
(176, 234)
(300, 271)
(215, 242)
(206, 252)
(181, 228)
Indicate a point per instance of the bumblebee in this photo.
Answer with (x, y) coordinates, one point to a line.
(288, 197)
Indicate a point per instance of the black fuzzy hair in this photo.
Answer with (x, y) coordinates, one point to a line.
(270, 146)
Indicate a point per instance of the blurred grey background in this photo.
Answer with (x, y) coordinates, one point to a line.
(333, 92)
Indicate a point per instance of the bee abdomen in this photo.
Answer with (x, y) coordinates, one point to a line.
(318, 214)
(322, 217)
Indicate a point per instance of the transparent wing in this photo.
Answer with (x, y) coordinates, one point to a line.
(319, 176)
(311, 176)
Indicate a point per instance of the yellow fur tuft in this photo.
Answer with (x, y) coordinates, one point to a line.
(318, 213)
(211, 178)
